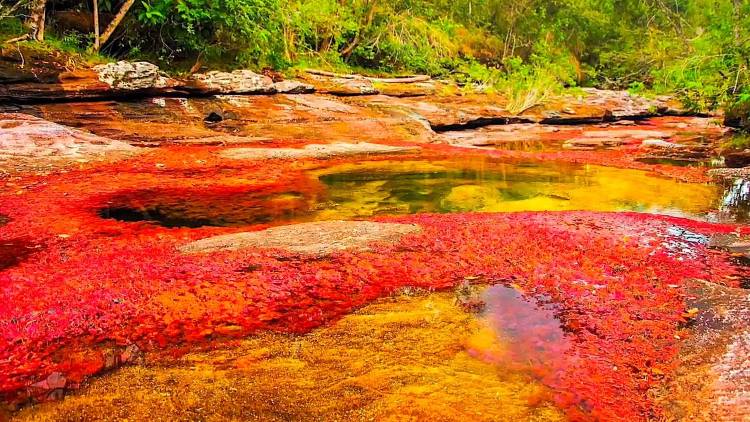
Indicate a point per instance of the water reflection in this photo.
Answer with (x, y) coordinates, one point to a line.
(735, 205)
(528, 329)
(370, 188)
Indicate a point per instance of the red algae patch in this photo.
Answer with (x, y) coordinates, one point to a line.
(614, 280)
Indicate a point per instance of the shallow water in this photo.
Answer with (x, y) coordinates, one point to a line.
(370, 188)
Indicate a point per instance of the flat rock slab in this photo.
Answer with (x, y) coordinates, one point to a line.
(317, 238)
(22, 135)
(312, 151)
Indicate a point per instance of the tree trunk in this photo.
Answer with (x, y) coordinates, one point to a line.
(97, 44)
(737, 21)
(116, 21)
(36, 19)
(349, 49)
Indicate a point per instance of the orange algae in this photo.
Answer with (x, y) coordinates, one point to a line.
(398, 358)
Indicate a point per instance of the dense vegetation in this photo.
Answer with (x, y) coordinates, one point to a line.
(698, 48)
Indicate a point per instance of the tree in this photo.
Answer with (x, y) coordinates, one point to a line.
(116, 21)
(36, 21)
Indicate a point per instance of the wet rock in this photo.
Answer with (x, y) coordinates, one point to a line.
(510, 136)
(628, 134)
(592, 143)
(55, 380)
(469, 297)
(236, 82)
(316, 239)
(658, 143)
(293, 87)
(312, 151)
(133, 76)
(737, 159)
(26, 136)
(257, 119)
(213, 117)
(714, 370)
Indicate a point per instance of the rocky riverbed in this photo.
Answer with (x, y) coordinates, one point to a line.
(357, 234)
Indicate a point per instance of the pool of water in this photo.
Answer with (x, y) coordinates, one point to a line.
(371, 188)
(529, 330)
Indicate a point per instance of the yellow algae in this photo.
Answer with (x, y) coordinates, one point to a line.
(396, 187)
(401, 358)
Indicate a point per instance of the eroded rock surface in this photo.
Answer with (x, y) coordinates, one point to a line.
(713, 382)
(24, 136)
(133, 76)
(293, 87)
(236, 82)
(248, 119)
(312, 151)
(317, 238)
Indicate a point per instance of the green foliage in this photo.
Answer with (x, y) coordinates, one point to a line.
(524, 49)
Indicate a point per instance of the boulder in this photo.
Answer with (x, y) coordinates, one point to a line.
(293, 87)
(317, 239)
(236, 82)
(133, 76)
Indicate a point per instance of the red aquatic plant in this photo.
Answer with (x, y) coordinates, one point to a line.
(91, 288)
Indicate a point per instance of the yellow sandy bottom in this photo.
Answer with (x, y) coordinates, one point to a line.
(402, 358)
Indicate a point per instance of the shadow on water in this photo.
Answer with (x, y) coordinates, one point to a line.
(200, 208)
(15, 251)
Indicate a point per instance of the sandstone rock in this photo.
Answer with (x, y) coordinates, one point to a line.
(133, 76)
(586, 142)
(293, 87)
(22, 135)
(236, 82)
(414, 89)
(341, 86)
(316, 239)
(312, 151)
(628, 133)
(658, 143)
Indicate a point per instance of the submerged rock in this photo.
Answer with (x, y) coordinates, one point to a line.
(317, 239)
(312, 151)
